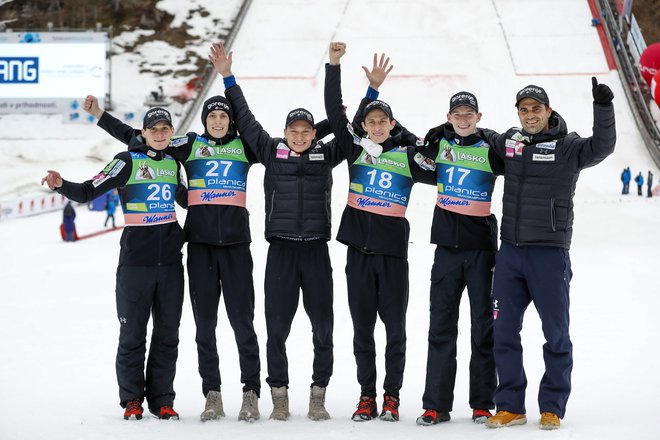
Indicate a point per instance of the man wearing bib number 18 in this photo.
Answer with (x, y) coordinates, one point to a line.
(150, 274)
(465, 232)
(375, 229)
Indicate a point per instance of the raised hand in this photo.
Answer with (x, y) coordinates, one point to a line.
(52, 179)
(91, 106)
(221, 60)
(602, 94)
(379, 71)
(336, 50)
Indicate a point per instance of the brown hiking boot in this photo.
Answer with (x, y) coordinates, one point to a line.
(505, 418)
(549, 421)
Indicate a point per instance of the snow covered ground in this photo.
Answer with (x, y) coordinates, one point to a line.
(58, 329)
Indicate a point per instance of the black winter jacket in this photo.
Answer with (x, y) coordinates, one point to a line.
(540, 175)
(156, 245)
(366, 231)
(297, 187)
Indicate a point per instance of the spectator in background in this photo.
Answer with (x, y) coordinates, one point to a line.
(68, 220)
(625, 178)
(639, 180)
(110, 206)
(649, 183)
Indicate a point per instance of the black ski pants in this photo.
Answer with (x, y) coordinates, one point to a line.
(292, 266)
(223, 270)
(453, 270)
(141, 292)
(378, 287)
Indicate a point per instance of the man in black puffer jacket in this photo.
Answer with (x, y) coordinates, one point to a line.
(297, 187)
(542, 163)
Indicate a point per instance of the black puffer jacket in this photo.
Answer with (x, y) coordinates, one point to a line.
(297, 188)
(540, 174)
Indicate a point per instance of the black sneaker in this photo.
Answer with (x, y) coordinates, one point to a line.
(366, 409)
(390, 411)
(432, 417)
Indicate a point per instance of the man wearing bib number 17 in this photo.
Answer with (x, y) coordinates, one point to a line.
(465, 232)
(150, 274)
(376, 231)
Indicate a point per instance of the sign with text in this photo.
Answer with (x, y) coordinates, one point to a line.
(43, 72)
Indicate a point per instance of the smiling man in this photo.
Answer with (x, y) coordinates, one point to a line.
(149, 279)
(465, 234)
(218, 232)
(542, 163)
(297, 189)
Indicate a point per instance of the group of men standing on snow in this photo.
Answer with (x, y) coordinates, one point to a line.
(540, 162)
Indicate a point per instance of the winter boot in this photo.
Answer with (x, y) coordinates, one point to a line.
(317, 409)
(280, 403)
(250, 408)
(213, 409)
(549, 421)
(505, 418)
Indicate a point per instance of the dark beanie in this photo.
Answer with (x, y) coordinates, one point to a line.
(216, 103)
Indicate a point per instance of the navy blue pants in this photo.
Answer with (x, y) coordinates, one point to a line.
(290, 268)
(541, 274)
(143, 292)
(378, 287)
(226, 270)
(453, 270)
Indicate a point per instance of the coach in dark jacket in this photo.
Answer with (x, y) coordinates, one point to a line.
(542, 163)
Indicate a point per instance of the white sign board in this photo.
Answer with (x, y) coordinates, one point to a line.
(44, 72)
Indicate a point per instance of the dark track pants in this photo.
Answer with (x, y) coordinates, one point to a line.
(291, 267)
(226, 270)
(141, 292)
(378, 287)
(453, 270)
(541, 274)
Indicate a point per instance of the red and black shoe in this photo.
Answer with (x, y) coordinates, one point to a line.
(166, 412)
(390, 411)
(433, 417)
(366, 409)
(480, 415)
(133, 410)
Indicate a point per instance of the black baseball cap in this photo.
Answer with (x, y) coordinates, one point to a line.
(378, 105)
(155, 115)
(299, 114)
(463, 98)
(535, 92)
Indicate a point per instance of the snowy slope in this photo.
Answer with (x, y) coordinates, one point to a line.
(58, 329)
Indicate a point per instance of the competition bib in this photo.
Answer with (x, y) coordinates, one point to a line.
(381, 185)
(217, 174)
(465, 179)
(148, 197)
